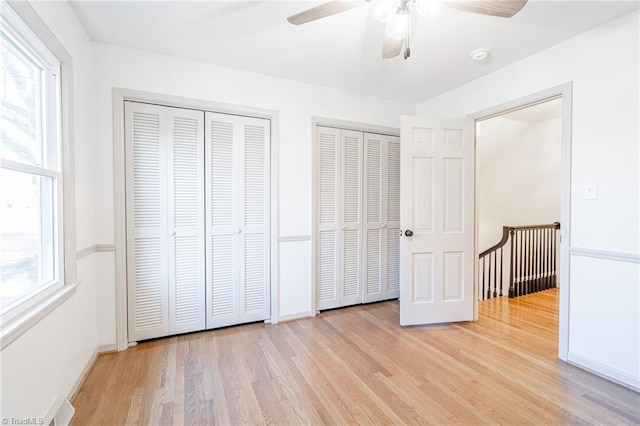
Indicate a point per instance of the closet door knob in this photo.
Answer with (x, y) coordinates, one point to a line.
(237, 230)
(172, 233)
(343, 227)
(383, 226)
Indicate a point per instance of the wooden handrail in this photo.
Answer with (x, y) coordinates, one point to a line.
(503, 241)
(555, 225)
(505, 235)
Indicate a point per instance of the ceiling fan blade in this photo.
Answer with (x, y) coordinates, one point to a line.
(391, 47)
(501, 8)
(324, 10)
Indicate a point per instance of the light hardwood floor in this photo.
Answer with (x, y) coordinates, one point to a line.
(358, 366)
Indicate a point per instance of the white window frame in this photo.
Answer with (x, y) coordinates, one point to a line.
(24, 26)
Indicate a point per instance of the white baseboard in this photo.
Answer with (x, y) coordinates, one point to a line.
(113, 347)
(292, 317)
(609, 373)
(83, 375)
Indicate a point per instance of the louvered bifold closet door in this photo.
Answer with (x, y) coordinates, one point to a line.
(391, 240)
(165, 221)
(327, 201)
(350, 212)
(237, 176)
(186, 220)
(374, 248)
(381, 217)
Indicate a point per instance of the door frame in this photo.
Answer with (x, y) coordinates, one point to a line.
(119, 96)
(564, 92)
(342, 125)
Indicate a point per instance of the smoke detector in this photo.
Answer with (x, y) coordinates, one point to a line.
(480, 55)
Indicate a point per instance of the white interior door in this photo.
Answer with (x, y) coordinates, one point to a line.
(147, 230)
(381, 217)
(327, 200)
(350, 245)
(185, 200)
(237, 161)
(437, 219)
(165, 220)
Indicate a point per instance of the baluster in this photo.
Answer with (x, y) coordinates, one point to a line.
(495, 273)
(547, 258)
(501, 267)
(489, 277)
(523, 257)
(553, 259)
(530, 257)
(534, 249)
(483, 278)
(521, 267)
(536, 281)
(528, 261)
(534, 260)
(512, 264)
(544, 260)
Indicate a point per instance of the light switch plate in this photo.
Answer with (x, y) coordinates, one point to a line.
(590, 191)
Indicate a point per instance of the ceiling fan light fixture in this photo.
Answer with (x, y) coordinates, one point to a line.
(384, 10)
(399, 27)
(429, 9)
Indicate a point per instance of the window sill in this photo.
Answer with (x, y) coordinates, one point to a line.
(20, 324)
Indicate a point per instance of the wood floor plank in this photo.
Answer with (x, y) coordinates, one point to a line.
(358, 366)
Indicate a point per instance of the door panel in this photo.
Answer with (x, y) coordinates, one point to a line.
(350, 265)
(328, 158)
(392, 235)
(437, 178)
(254, 218)
(186, 220)
(147, 283)
(237, 176)
(165, 253)
(381, 217)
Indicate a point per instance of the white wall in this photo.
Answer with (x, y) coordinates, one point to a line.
(603, 66)
(518, 168)
(295, 103)
(46, 361)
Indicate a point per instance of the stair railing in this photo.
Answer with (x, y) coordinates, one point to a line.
(532, 264)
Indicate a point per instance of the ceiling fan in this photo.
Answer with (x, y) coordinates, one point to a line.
(397, 14)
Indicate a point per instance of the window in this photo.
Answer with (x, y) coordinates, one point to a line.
(31, 232)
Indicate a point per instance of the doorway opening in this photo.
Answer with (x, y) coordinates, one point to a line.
(519, 204)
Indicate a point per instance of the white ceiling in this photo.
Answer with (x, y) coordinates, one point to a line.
(342, 51)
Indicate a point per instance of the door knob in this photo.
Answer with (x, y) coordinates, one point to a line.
(237, 230)
(408, 233)
(383, 226)
(172, 233)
